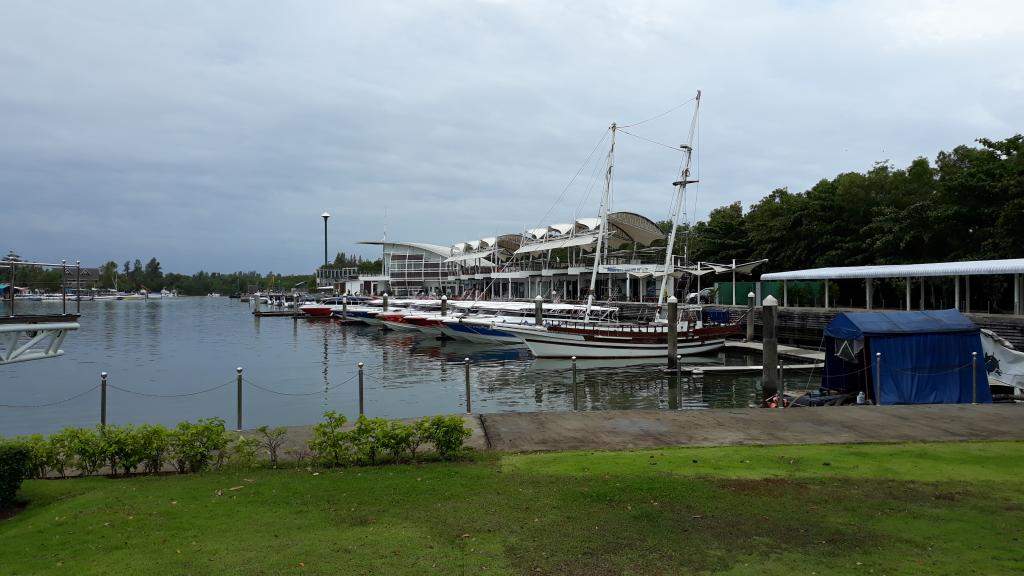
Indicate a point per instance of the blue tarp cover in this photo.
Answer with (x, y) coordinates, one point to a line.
(926, 357)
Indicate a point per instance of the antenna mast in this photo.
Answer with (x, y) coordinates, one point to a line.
(677, 207)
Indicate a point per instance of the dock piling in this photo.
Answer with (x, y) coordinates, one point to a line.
(238, 396)
(469, 399)
(538, 310)
(385, 298)
(103, 398)
(360, 388)
(770, 346)
(673, 332)
(750, 316)
(575, 389)
(344, 308)
(782, 385)
(444, 305)
(878, 378)
(974, 377)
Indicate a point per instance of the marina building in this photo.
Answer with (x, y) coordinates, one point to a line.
(555, 261)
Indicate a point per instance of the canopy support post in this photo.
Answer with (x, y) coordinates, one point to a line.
(785, 294)
(826, 294)
(1016, 294)
(922, 293)
(734, 282)
(967, 284)
(867, 293)
(908, 293)
(956, 292)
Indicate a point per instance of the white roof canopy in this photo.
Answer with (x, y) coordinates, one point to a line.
(741, 267)
(973, 268)
(580, 240)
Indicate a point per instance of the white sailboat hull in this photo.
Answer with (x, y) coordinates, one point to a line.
(546, 344)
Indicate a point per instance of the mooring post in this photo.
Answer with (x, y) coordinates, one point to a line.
(444, 305)
(103, 398)
(63, 286)
(974, 377)
(385, 301)
(344, 307)
(538, 310)
(360, 388)
(575, 390)
(782, 385)
(750, 316)
(256, 303)
(10, 289)
(878, 378)
(78, 286)
(769, 347)
(238, 398)
(673, 331)
(469, 399)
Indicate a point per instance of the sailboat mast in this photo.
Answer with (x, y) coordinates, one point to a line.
(603, 230)
(678, 204)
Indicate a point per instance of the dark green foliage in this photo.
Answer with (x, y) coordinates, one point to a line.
(446, 433)
(372, 437)
(330, 442)
(194, 445)
(968, 206)
(15, 466)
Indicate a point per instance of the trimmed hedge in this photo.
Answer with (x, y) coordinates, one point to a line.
(372, 438)
(15, 466)
(196, 446)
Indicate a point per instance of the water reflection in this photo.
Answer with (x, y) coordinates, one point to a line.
(186, 344)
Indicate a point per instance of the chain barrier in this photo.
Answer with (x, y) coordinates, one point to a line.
(182, 395)
(79, 395)
(279, 393)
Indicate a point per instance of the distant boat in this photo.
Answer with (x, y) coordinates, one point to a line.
(214, 294)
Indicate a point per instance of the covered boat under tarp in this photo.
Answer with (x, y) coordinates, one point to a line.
(926, 357)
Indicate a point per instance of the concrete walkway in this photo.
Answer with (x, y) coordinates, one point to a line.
(803, 354)
(626, 429)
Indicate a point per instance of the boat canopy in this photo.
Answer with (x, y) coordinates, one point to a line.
(906, 357)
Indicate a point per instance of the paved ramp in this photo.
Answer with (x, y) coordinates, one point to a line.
(619, 430)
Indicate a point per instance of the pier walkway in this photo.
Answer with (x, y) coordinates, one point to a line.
(629, 429)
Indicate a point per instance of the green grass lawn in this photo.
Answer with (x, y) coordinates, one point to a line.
(863, 509)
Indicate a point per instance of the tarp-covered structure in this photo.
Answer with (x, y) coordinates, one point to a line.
(925, 357)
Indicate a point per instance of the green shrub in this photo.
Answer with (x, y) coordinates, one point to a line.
(366, 438)
(122, 446)
(41, 454)
(272, 440)
(62, 451)
(87, 448)
(397, 439)
(330, 444)
(194, 444)
(15, 466)
(154, 442)
(243, 451)
(446, 433)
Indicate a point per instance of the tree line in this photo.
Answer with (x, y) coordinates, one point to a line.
(967, 205)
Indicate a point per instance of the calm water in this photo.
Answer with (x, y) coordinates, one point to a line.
(187, 345)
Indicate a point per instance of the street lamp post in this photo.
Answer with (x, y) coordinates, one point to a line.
(325, 216)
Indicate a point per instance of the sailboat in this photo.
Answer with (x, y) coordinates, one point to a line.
(589, 339)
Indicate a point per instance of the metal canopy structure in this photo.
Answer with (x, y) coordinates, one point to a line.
(971, 268)
(1012, 266)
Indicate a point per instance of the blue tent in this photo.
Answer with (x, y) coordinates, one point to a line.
(925, 357)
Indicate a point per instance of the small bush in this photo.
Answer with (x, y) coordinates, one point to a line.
(397, 439)
(62, 451)
(243, 451)
(446, 433)
(87, 447)
(272, 440)
(330, 443)
(154, 441)
(367, 438)
(41, 454)
(194, 444)
(15, 466)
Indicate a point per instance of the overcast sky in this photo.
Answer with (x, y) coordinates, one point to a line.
(213, 134)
